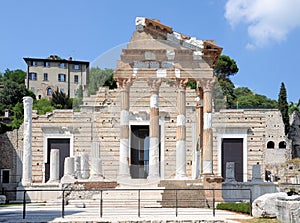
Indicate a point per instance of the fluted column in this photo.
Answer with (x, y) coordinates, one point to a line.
(207, 86)
(181, 129)
(154, 85)
(124, 85)
(27, 149)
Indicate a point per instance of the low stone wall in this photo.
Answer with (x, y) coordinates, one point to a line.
(234, 191)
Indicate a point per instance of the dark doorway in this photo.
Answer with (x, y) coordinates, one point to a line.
(64, 151)
(232, 151)
(139, 151)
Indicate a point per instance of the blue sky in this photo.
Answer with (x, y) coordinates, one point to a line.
(262, 36)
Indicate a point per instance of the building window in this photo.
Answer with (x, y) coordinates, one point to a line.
(49, 91)
(61, 77)
(32, 89)
(34, 63)
(45, 76)
(75, 92)
(62, 65)
(282, 145)
(270, 145)
(62, 90)
(76, 79)
(76, 67)
(32, 76)
(46, 64)
(5, 175)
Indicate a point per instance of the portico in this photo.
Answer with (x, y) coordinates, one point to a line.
(157, 55)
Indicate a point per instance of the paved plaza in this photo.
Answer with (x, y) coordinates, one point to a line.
(38, 213)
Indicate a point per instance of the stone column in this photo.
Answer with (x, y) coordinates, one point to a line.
(199, 108)
(27, 146)
(77, 164)
(154, 85)
(54, 166)
(181, 129)
(69, 170)
(85, 166)
(124, 85)
(207, 86)
(96, 163)
(96, 170)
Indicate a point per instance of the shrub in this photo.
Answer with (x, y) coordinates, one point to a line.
(236, 207)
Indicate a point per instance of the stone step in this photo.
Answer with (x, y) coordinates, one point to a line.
(185, 198)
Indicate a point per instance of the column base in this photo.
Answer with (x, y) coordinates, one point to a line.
(153, 179)
(24, 184)
(181, 177)
(67, 179)
(124, 179)
(96, 178)
(53, 182)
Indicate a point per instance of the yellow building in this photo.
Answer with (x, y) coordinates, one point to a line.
(47, 75)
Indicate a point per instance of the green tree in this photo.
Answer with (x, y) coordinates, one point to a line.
(60, 100)
(18, 76)
(284, 107)
(242, 91)
(12, 93)
(225, 67)
(78, 101)
(294, 107)
(227, 87)
(42, 106)
(1, 78)
(18, 115)
(98, 78)
(245, 98)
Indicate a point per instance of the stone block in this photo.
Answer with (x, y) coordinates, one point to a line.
(2, 199)
(265, 205)
(288, 208)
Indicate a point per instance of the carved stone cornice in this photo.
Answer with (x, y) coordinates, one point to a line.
(154, 84)
(206, 84)
(124, 83)
(181, 83)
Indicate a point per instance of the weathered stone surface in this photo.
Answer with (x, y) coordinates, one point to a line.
(2, 199)
(265, 205)
(288, 209)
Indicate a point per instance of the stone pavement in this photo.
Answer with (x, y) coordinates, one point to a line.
(38, 214)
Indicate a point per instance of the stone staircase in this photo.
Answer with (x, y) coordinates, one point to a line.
(186, 197)
(116, 195)
(113, 195)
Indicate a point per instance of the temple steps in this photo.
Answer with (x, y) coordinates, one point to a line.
(185, 198)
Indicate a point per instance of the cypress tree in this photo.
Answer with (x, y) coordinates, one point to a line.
(284, 108)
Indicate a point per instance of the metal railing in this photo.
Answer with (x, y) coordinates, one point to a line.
(176, 201)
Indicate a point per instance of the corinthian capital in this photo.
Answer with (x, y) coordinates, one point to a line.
(206, 84)
(181, 83)
(154, 84)
(124, 83)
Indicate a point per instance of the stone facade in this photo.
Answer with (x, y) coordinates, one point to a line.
(259, 129)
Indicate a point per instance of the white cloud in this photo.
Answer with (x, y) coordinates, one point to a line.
(267, 20)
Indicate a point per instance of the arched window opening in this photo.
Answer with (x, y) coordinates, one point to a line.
(282, 145)
(270, 145)
(49, 91)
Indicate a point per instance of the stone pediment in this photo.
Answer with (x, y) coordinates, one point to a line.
(155, 47)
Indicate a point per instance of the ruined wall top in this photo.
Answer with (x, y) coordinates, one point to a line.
(156, 51)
